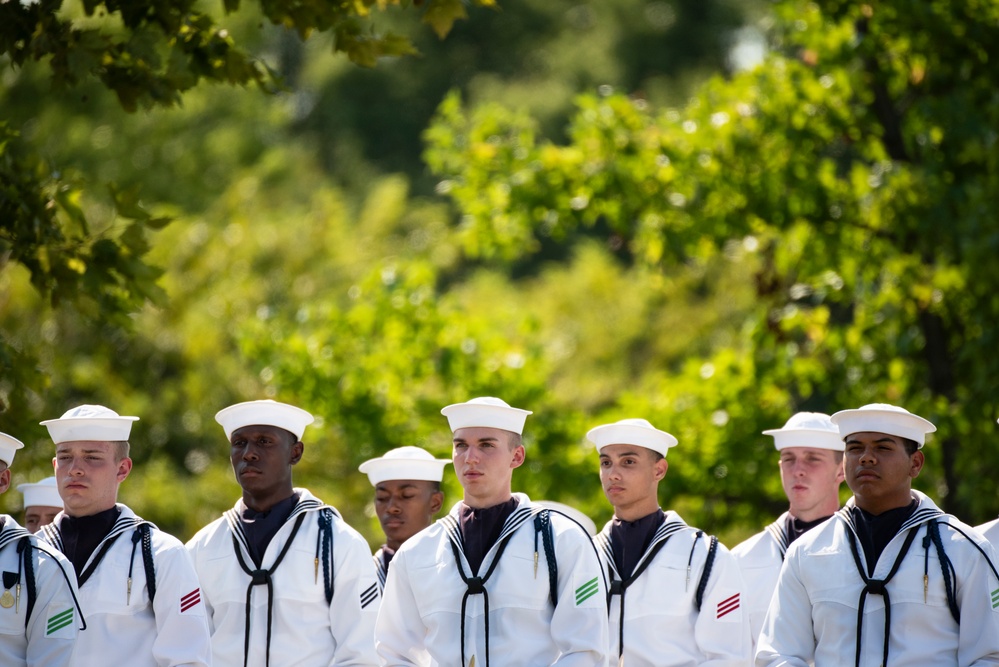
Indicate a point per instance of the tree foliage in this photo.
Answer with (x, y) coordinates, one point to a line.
(857, 168)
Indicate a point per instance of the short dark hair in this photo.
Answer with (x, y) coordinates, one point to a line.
(911, 446)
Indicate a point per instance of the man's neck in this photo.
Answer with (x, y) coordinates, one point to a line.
(814, 513)
(637, 511)
(264, 502)
(84, 513)
(481, 503)
(878, 506)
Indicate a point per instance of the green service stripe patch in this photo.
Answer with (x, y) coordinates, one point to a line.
(586, 591)
(59, 621)
(995, 598)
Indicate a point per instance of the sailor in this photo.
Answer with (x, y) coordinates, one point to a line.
(811, 472)
(408, 494)
(41, 503)
(890, 580)
(676, 592)
(499, 580)
(991, 532)
(39, 614)
(137, 586)
(285, 579)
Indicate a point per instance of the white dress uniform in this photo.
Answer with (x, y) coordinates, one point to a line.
(421, 618)
(123, 626)
(291, 622)
(813, 617)
(991, 532)
(662, 627)
(760, 558)
(46, 640)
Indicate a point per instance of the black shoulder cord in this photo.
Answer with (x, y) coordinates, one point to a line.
(24, 550)
(946, 567)
(709, 562)
(24, 547)
(980, 550)
(258, 578)
(877, 587)
(324, 545)
(618, 587)
(476, 586)
(543, 525)
(142, 533)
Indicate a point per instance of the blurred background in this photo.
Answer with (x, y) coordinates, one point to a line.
(707, 213)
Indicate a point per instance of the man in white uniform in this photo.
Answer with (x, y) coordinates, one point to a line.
(676, 593)
(991, 532)
(286, 581)
(39, 615)
(41, 503)
(138, 588)
(811, 472)
(890, 580)
(408, 494)
(499, 581)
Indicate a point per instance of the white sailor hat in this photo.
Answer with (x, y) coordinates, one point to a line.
(404, 463)
(883, 418)
(573, 513)
(264, 413)
(807, 429)
(41, 494)
(487, 412)
(8, 446)
(632, 432)
(90, 422)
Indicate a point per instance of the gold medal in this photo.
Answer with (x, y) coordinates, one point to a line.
(6, 600)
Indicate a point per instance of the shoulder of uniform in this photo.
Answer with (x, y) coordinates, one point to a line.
(206, 533)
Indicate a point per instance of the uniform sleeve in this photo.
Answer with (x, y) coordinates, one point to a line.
(787, 638)
(579, 623)
(356, 597)
(978, 598)
(399, 631)
(55, 620)
(721, 629)
(182, 636)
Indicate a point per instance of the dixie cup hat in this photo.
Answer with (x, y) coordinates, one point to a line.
(807, 429)
(264, 413)
(41, 494)
(883, 418)
(404, 463)
(90, 423)
(8, 446)
(632, 432)
(486, 412)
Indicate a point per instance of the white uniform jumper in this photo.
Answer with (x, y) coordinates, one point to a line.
(45, 638)
(821, 594)
(760, 558)
(991, 532)
(430, 613)
(662, 626)
(282, 615)
(123, 626)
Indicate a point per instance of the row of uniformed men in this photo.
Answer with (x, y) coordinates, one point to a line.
(285, 581)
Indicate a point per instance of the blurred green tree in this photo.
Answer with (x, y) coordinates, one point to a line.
(856, 171)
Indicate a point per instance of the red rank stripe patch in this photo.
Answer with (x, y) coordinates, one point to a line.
(727, 606)
(190, 600)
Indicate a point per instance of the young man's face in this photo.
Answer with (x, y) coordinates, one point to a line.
(262, 458)
(879, 471)
(88, 474)
(405, 507)
(484, 459)
(811, 479)
(37, 516)
(630, 477)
